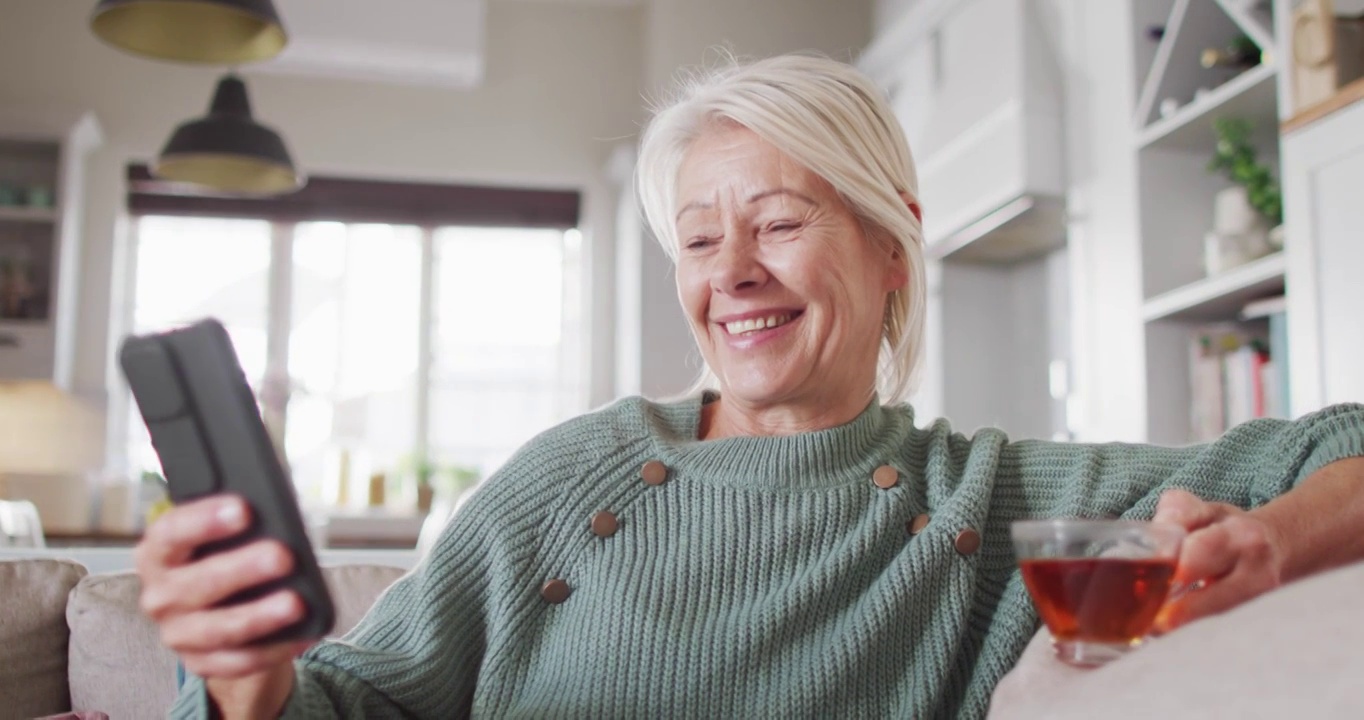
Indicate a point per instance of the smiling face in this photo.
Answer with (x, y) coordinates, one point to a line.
(784, 293)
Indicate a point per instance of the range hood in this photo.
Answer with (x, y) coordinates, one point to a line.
(977, 88)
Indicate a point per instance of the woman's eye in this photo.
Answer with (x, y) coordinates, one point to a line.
(699, 243)
(781, 227)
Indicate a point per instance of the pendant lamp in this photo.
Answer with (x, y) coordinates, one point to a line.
(225, 32)
(227, 151)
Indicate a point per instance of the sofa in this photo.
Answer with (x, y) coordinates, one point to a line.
(73, 640)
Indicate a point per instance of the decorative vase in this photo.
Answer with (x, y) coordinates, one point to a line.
(1234, 215)
(1224, 252)
(1240, 233)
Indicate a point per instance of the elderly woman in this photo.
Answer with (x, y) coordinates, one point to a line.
(786, 542)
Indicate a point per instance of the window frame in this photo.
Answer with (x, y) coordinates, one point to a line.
(273, 389)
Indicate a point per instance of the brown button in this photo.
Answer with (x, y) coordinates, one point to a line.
(654, 473)
(967, 542)
(885, 477)
(554, 591)
(918, 524)
(604, 524)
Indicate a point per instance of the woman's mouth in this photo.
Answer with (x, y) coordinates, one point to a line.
(754, 325)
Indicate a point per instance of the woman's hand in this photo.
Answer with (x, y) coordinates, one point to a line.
(1229, 557)
(180, 594)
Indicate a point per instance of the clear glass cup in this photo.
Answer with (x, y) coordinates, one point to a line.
(1098, 585)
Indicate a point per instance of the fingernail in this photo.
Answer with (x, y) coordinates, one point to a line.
(283, 606)
(231, 513)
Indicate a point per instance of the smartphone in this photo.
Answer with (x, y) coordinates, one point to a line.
(204, 425)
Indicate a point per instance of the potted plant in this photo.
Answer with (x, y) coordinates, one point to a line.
(1243, 214)
(1236, 158)
(449, 480)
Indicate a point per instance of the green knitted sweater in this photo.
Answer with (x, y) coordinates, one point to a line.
(763, 576)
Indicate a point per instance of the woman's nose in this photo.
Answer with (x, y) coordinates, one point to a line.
(737, 266)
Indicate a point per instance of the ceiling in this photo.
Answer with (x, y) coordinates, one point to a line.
(418, 42)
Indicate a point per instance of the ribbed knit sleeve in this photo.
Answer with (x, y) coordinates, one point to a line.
(1248, 466)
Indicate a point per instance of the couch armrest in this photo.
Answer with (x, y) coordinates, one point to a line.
(33, 635)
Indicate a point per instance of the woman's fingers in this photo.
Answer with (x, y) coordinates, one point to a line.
(1183, 508)
(181, 592)
(1232, 562)
(1205, 555)
(205, 583)
(231, 627)
(238, 663)
(172, 539)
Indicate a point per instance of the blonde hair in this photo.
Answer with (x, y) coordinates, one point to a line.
(830, 118)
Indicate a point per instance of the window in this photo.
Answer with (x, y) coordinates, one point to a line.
(382, 341)
(353, 346)
(189, 268)
(498, 345)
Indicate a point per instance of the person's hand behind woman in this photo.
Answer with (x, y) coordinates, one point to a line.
(181, 595)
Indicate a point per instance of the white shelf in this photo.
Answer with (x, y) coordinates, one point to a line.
(1250, 95)
(1255, 20)
(28, 214)
(1222, 296)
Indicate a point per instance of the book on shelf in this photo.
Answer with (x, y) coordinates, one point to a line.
(1275, 311)
(1235, 377)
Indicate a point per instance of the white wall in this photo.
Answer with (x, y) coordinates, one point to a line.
(885, 12)
(562, 85)
(1001, 326)
(1108, 384)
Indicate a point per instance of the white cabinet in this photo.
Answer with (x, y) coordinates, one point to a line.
(42, 160)
(1323, 183)
(976, 87)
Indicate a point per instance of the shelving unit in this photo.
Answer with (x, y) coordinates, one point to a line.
(1222, 296)
(28, 214)
(1176, 190)
(1250, 95)
(42, 159)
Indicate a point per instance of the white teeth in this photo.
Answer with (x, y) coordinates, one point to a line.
(742, 327)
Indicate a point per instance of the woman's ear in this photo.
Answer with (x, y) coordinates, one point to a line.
(913, 205)
(897, 270)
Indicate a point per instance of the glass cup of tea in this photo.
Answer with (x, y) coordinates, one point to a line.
(1097, 584)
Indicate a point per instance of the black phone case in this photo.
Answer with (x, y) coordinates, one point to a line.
(203, 422)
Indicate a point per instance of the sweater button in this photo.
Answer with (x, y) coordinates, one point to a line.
(654, 473)
(918, 524)
(604, 524)
(555, 591)
(967, 542)
(885, 477)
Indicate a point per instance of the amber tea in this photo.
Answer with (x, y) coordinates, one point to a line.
(1098, 585)
(1109, 600)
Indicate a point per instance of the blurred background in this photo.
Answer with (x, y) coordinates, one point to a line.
(1140, 219)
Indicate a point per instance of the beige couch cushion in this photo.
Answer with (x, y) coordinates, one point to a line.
(1296, 652)
(33, 636)
(118, 665)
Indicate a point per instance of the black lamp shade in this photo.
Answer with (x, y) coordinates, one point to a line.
(227, 151)
(224, 32)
